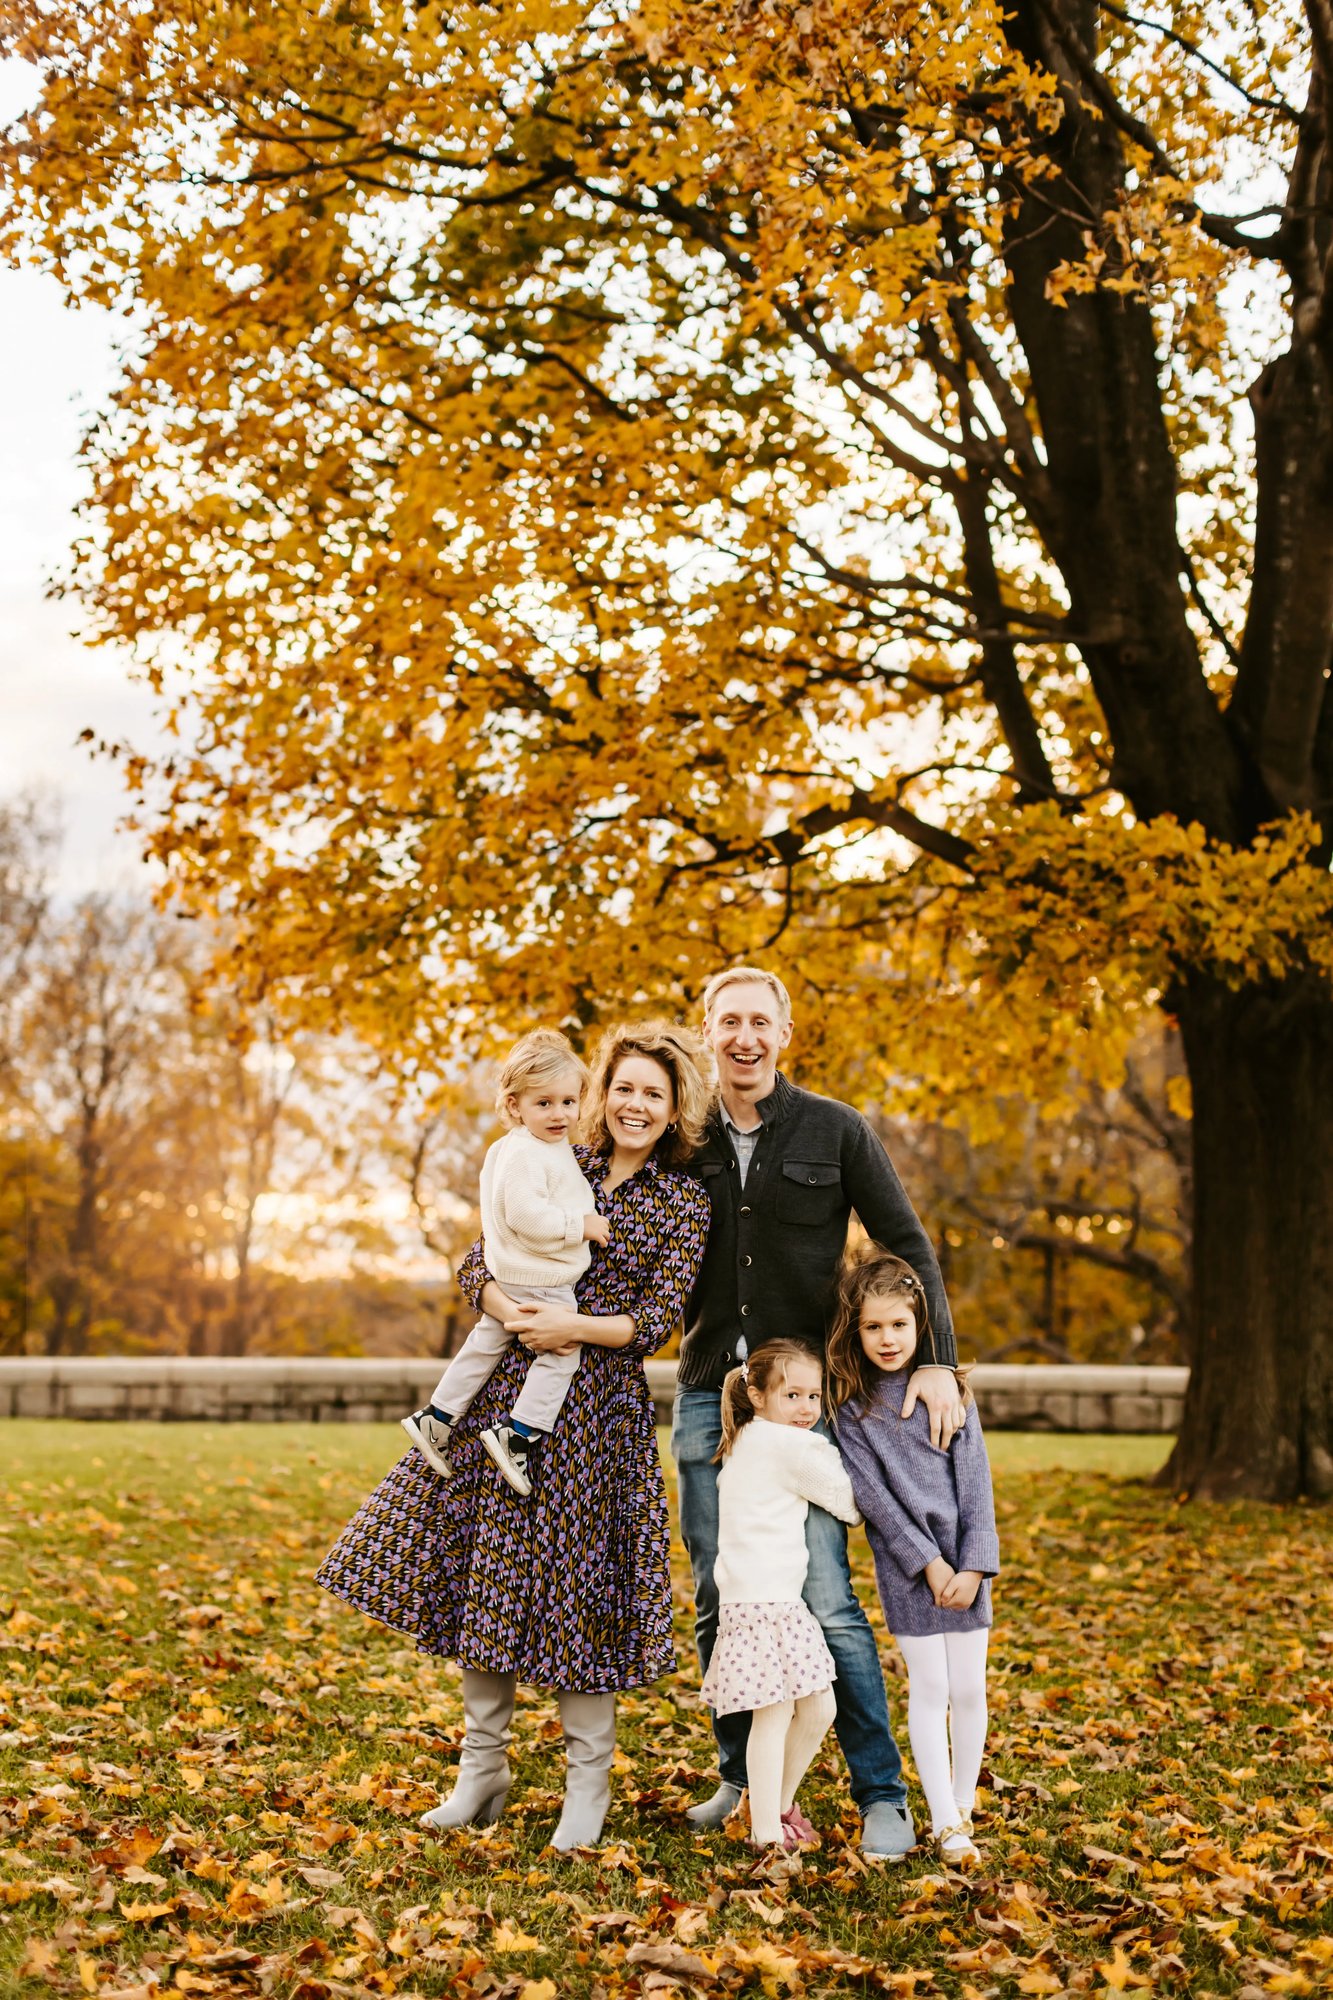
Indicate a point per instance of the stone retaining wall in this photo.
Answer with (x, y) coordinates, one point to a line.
(268, 1389)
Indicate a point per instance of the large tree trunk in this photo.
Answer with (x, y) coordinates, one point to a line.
(1259, 1415)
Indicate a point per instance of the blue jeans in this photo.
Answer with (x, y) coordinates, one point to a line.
(862, 1720)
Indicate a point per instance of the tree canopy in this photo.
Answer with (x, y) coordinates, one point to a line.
(611, 488)
(643, 486)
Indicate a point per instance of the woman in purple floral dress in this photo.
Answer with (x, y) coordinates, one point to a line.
(569, 1588)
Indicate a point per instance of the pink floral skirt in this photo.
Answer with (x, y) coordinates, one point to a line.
(766, 1653)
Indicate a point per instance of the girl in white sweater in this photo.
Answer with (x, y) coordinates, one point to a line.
(770, 1656)
(538, 1219)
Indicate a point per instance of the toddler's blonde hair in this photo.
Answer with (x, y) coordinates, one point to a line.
(541, 1057)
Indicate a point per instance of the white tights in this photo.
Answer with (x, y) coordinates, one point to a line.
(946, 1696)
(782, 1746)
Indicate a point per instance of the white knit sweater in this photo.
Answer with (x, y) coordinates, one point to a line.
(768, 1481)
(533, 1201)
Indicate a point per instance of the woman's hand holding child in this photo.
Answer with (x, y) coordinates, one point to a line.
(596, 1229)
(543, 1328)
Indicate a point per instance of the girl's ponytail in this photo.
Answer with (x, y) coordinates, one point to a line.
(737, 1409)
(766, 1364)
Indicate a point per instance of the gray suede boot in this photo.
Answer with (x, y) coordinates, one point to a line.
(482, 1780)
(589, 1723)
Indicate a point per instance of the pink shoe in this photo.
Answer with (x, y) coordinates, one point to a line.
(797, 1828)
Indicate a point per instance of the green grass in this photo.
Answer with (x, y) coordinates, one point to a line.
(211, 1773)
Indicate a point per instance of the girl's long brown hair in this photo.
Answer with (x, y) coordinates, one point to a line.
(875, 1274)
(757, 1372)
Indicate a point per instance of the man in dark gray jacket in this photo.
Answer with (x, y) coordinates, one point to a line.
(784, 1170)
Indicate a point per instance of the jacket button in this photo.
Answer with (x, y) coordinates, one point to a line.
(747, 1260)
(745, 1312)
(745, 1210)
(812, 1180)
(732, 1165)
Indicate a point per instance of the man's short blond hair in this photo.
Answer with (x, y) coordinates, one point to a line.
(736, 975)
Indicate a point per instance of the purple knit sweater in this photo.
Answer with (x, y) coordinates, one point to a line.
(919, 1503)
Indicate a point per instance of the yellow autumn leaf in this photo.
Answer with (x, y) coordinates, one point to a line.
(503, 1939)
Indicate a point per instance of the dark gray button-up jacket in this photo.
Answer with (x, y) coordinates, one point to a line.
(774, 1246)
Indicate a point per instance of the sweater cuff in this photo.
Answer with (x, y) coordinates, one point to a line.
(573, 1231)
(912, 1553)
(980, 1551)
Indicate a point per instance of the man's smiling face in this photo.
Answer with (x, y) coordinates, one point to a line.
(747, 1033)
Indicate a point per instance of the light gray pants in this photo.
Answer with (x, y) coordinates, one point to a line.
(543, 1394)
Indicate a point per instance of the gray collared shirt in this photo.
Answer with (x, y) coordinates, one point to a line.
(744, 1143)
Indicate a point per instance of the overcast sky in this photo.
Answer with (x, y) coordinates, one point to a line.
(54, 366)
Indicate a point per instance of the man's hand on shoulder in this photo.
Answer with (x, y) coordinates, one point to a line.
(938, 1389)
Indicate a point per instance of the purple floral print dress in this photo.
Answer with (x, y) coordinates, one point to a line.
(570, 1588)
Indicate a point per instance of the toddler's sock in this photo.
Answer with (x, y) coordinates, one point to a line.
(524, 1430)
(441, 1416)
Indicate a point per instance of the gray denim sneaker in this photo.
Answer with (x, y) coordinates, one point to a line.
(887, 1832)
(714, 1812)
(431, 1437)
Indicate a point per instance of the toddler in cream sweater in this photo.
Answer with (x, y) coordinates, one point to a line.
(539, 1217)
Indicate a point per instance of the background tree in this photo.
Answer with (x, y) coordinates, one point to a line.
(96, 1024)
(1066, 1237)
(444, 1148)
(176, 1176)
(645, 485)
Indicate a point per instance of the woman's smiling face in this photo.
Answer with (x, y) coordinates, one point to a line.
(640, 1104)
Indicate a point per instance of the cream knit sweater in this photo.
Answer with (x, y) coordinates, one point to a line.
(533, 1201)
(768, 1482)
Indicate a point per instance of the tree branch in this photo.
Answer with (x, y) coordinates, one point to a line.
(1277, 104)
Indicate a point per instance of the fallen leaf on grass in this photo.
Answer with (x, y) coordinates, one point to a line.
(503, 1939)
(131, 1851)
(1113, 1860)
(322, 1878)
(39, 1959)
(621, 1857)
(148, 1913)
(671, 1958)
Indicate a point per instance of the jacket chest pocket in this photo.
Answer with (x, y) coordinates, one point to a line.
(810, 1191)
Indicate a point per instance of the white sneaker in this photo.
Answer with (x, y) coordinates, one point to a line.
(509, 1449)
(431, 1437)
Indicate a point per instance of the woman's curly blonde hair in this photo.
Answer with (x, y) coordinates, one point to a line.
(681, 1054)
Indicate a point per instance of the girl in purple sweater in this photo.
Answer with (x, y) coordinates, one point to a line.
(930, 1518)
